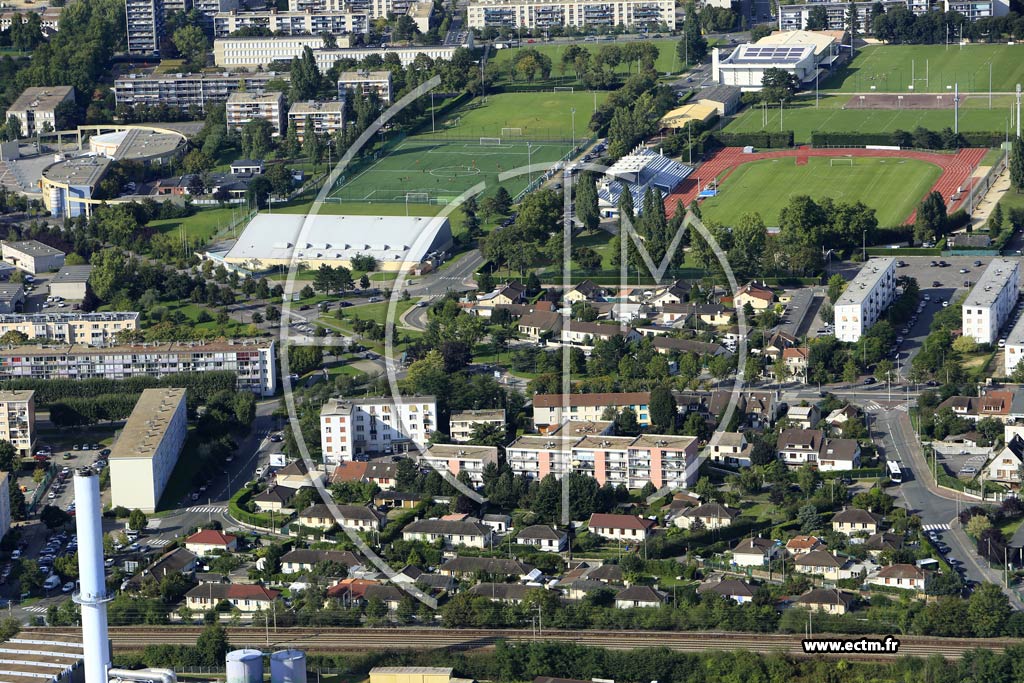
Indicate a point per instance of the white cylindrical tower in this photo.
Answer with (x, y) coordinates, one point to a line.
(245, 666)
(92, 595)
(288, 666)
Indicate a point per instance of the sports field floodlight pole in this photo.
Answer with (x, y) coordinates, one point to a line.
(956, 108)
(1018, 110)
(573, 111)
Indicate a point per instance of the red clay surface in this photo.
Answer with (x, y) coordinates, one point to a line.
(956, 169)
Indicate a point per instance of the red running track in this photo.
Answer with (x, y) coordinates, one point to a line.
(957, 169)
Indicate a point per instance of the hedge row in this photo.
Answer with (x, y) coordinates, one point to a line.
(758, 139)
(236, 510)
(902, 138)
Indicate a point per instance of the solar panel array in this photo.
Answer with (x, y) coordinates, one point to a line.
(772, 53)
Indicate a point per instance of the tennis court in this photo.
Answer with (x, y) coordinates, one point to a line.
(436, 171)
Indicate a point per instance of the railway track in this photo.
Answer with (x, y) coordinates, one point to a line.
(365, 639)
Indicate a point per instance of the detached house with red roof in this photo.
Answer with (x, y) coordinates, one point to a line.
(620, 527)
(759, 298)
(209, 541)
(242, 596)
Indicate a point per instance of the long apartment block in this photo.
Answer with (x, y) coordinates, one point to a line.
(865, 299)
(554, 409)
(990, 302)
(579, 13)
(631, 461)
(260, 51)
(252, 360)
(94, 329)
(188, 90)
(352, 427)
(308, 22)
(373, 8)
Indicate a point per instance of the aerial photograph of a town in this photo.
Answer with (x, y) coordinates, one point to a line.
(511, 341)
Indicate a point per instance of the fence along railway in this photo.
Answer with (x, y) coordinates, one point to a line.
(364, 639)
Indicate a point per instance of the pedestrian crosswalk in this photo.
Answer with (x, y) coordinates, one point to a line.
(935, 527)
(876, 407)
(159, 542)
(208, 508)
(36, 609)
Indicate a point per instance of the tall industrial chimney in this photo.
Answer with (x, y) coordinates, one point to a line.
(92, 595)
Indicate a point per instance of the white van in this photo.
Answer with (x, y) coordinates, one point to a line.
(52, 582)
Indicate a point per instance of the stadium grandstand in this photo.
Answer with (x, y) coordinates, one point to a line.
(638, 171)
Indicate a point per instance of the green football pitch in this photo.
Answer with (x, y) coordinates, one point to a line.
(428, 170)
(829, 116)
(891, 186)
(931, 69)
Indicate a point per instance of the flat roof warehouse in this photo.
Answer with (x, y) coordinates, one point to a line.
(278, 239)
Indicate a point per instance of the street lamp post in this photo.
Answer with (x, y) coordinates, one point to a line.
(573, 110)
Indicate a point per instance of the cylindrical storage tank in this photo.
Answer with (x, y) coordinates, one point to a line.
(288, 666)
(244, 666)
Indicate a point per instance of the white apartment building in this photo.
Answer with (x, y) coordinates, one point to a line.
(990, 302)
(243, 107)
(461, 424)
(364, 83)
(144, 21)
(307, 23)
(553, 409)
(978, 9)
(456, 458)
(35, 108)
(74, 327)
(579, 13)
(350, 427)
(254, 361)
(794, 17)
(188, 90)
(865, 299)
(18, 422)
(662, 460)
(259, 51)
(373, 8)
(1014, 351)
(324, 117)
(144, 455)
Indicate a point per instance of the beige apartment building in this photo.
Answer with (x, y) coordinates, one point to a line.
(147, 449)
(75, 327)
(323, 117)
(243, 107)
(18, 420)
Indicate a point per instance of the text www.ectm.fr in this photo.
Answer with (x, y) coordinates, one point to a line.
(889, 645)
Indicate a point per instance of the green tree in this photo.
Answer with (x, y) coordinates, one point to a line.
(663, 410)
(586, 202)
(192, 44)
(988, 610)
(778, 85)
(257, 138)
(978, 524)
(291, 148)
(1017, 165)
(305, 77)
(836, 286)
(212, 645)
(930, 221)
(817, 19)
(9, 460)
(137, 520)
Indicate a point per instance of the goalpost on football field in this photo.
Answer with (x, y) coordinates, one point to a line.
(843, 161)
(490, 142)
(564, 88)
(511, 132)
(416, 198)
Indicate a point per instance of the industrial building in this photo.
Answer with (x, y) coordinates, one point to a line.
(991, 300)
(70, 282)
(12, 297)
(68, 186)
(542, 14)
(324, 118)
(350, 427)
(865, 299)
(72, 327)
(253, 361)
(292, 23)
(259, 51)
(146, 451)
(243, 107)
(188, 90)
(364, 83)
(35, 108)
(395, 241)
(18, 422)
(32, 256)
